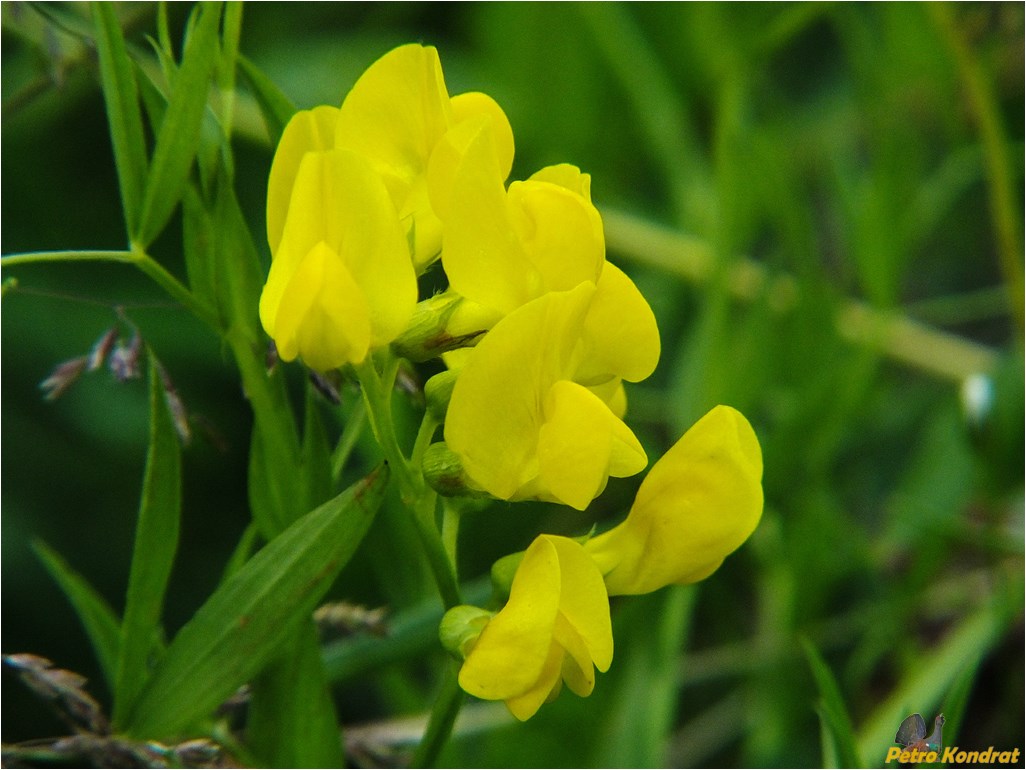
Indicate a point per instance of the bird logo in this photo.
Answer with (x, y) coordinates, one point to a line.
(912, 734)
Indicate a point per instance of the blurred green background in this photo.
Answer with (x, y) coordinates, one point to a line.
(823, 204)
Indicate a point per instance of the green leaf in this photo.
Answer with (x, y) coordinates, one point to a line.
(835, 724)
(163, 32)
(956, 700)
(245, 622)
(238, 275)
(179, 135)
(273, 484)
(243, 550)
(156, 540)
(198, 237)
(291, 719)
(101, 623)
(276, 108)
(226, 64)
(153, 97)
(122, 100)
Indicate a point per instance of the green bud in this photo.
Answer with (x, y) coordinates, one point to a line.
(428, 334)
(502, 574)
(460, 628)
(438, 391)
(444, 472)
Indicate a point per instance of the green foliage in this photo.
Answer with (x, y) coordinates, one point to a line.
(838, 734)
(102, 625)
(121, 95)
(156, 540)
(179, 134)
(246, 620)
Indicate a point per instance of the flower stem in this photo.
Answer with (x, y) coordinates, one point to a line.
(416, 495)
(443, 717)
(347, 442)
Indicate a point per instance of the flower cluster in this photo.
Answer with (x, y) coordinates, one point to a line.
(539, 333)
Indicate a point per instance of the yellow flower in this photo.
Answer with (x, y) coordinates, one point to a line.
(699, 503)
(521, 423)
(341, 281)
(554, 629)
(397, 115)
(503, 248)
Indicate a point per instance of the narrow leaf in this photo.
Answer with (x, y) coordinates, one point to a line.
(163, 32)
(122, 99)
(226, 64)
(276, 108)
(198, 246)
(272, 482)
(179, 135)
(102, 625)
(154, 98)
(956, 701)
(292, 720)
(244, 623)
(238, 275)
(836, 725)
(156, 540)
(243, 550)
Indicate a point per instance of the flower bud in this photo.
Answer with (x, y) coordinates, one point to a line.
(430, 332)
(438, 391)
(444, 472)
(460, 628)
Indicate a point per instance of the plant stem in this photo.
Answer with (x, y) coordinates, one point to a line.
(443, 717)
(417, 496)
(347, 441)
(450, 527)
(175, 289)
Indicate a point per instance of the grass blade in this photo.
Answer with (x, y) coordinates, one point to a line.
(292, 720)
(839, 733)
(102, 625)
(121, 96)
(276, 108)
(179, 135)
(156, 541)
(246, 620)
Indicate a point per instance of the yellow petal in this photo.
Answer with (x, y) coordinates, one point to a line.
(583, 603)
(481, 254)
(475, 104)
(560, 233)
(565, 175)
(323, 315)
(397, 111)
(576, 445)
(621, 336)
(307, 131)
(526, 705)
(514, 366)
(394, 115)
(578, 671)
(508, 658)
(612, 392)
(338, 199)
(699, 503)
